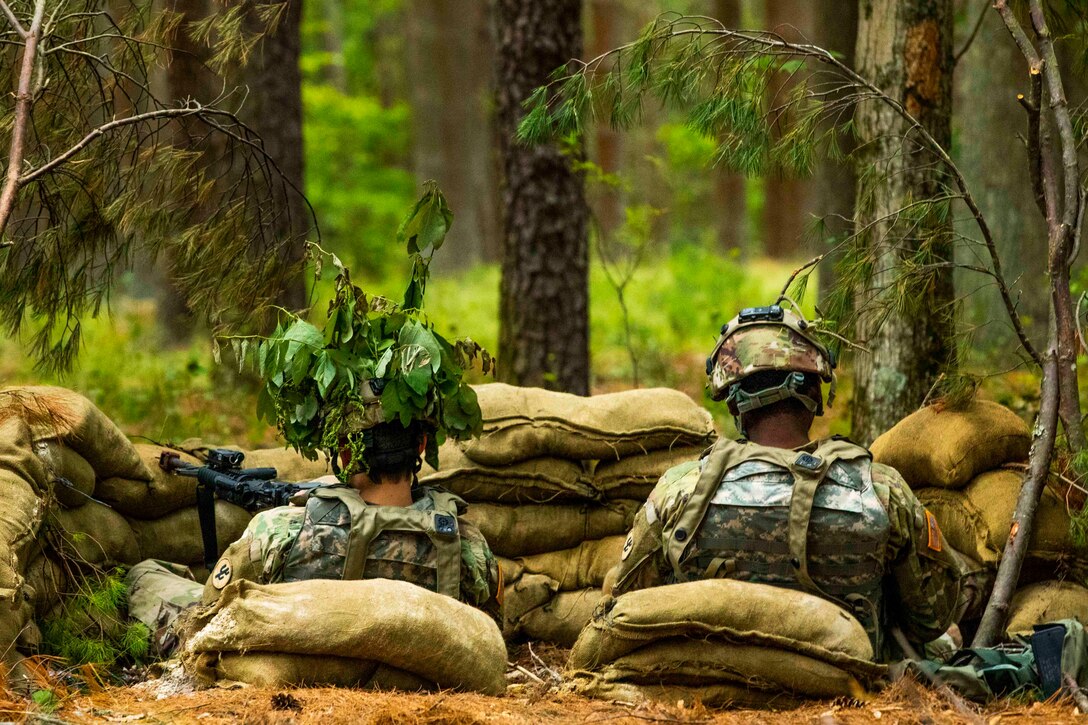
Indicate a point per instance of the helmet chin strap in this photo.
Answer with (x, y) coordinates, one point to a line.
(744, 402)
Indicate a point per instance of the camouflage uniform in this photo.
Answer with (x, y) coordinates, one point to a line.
(339, 536)
(823, 519)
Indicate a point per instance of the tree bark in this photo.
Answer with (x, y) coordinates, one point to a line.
(544, 294)
(836, 28)
(786, 200)
(449, 49)
(608, 202)
(906, 48)
(730, 200)
(274, 110)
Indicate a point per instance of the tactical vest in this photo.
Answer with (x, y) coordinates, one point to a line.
(809, 521)
(344, 537)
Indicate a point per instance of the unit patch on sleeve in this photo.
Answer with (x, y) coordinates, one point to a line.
(222, 573)
(934, 532)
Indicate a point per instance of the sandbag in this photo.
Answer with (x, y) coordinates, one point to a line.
(948, 448)
(718, 632)
(522, 594)
(94, 535)
(1045, 602)
(581, 567)
(634, 477)
(289, 464)
(727, 694)
(277, 670)
(541, 480)
(514, 531)
(61, 462)
(406, 627)
(976, 522)
(561, 619)
(160, 494)
(47, 581)
(525, 423)
(758, 613)
(22, 478)
(66, 416)
(176, 537)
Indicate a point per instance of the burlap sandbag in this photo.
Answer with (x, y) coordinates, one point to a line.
(47, 581)
(525, 423)
(581, 567)
(634, 477)
(67, 416)
(947, 448)
(976, 521)
(561, 619)
(22, 478)
(695, 664)
(723, 695)
(1045, 602)
(541, 480)
(752, 613)
(61, 462)
(279, 670)
(94, 535)
(514, 531)
(176, 537)
(161, 494)
(289, 464)
(521, 594)
(406, 627)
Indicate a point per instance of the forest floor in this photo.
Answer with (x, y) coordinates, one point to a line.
(530, 698)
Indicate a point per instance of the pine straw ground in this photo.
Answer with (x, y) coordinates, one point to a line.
(532, 698)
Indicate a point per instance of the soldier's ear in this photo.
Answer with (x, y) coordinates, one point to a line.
(423, 438)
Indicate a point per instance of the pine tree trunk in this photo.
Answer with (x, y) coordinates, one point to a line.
(905, 46)
(544, 295)
(730, 202)
(785, 200)
(836, 28)
(274, 109)
(449, 47)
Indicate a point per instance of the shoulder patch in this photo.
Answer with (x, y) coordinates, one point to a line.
(222, 573)
(933, 531)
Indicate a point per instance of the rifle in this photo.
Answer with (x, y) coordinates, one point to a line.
(254, 489)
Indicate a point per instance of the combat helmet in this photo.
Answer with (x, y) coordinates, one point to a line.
(768, 338)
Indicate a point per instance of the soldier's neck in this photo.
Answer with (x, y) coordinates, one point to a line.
(387, 493)
(779, 430)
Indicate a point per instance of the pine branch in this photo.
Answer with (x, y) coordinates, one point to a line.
(23, 100)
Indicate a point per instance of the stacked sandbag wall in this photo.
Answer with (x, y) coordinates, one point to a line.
(554, 483)
(967, 466)
(81, 499)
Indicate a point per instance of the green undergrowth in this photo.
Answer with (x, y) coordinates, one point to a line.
(91, 626)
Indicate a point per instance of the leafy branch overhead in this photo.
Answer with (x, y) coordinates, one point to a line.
(101, 170)
(728, 85)
(316, 379)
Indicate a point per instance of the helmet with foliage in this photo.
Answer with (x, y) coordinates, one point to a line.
(762, 339)
(377, 374)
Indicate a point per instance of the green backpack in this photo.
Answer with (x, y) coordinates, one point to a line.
(1031, 665)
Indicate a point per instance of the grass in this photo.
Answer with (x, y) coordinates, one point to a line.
(152, 386)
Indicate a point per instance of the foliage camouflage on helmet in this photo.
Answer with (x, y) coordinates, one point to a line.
(374, 361)
(746, 348)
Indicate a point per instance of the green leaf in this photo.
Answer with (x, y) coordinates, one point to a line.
(413, 333)
(325, 374)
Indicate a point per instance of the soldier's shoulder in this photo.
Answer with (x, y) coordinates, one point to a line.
(277, 523)
(678, 480)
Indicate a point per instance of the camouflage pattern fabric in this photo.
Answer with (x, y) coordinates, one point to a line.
(278, 545)
(158, 592)
(757, 347)
(900, 558)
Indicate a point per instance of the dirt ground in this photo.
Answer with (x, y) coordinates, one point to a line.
(534, 696)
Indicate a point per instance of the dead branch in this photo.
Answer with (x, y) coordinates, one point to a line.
(992, 627)
(13, 20)
(23, 100)
(807, 265)
(1076, 692)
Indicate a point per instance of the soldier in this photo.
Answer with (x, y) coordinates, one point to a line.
(777, 508)
(380, 525)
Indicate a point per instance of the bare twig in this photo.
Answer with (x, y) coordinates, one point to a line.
(1076, 692)
(12, 19)
(23, 101)
(807, 265)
